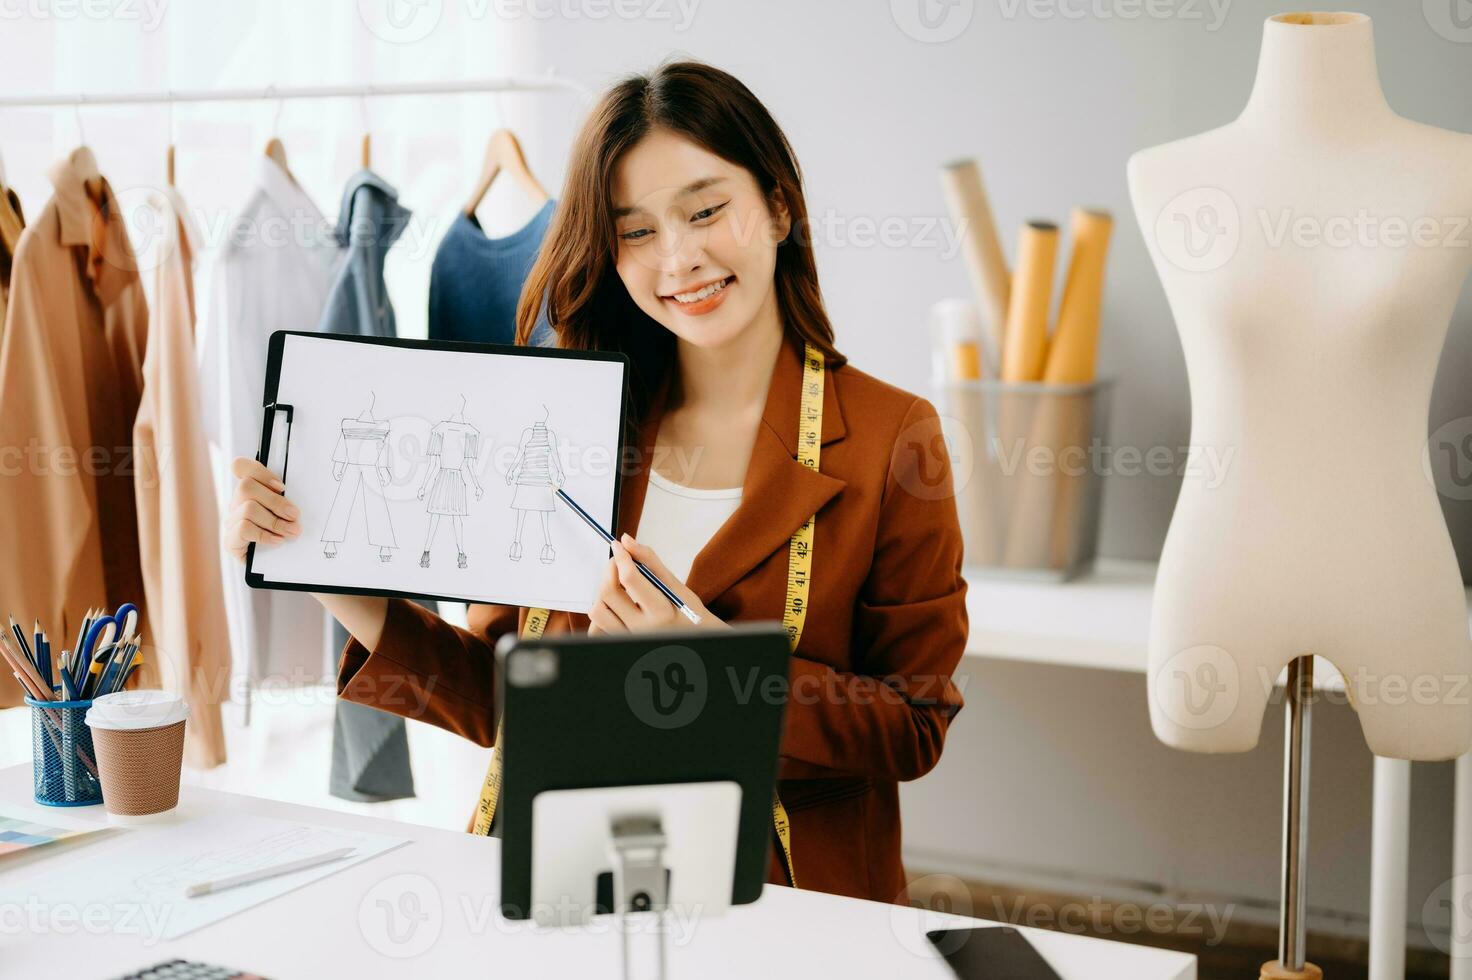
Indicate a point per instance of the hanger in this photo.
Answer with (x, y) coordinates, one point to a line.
(366, 151)
(503, 152)
(10, 222)
(169, 159)
(84, 162)
(275, 149)
(367, 414)
(460, 415)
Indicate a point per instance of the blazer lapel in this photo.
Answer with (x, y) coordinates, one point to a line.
(779, 493)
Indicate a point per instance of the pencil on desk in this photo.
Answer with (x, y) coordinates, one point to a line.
(261, 874)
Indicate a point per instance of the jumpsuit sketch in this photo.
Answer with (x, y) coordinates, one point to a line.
(454, 446)
(534, 470)
(360, 466)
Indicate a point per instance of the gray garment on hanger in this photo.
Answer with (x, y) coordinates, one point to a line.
(370, 748)
(370, 221)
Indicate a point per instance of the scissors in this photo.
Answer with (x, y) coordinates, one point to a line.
(127, 620)
(84, 653)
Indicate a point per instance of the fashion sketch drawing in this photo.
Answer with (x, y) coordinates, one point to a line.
(360, 467)
(534, 470)
(454, 447)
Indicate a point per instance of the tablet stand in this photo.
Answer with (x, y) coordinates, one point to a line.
(634, 851)
(640, 879)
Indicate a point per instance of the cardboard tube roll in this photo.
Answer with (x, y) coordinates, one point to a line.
(1073, 353)
(1034, 418)
(986, 263)
(1075, 511)
(1026, 344)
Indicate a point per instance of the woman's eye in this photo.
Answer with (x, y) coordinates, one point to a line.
(709, 212)
(635, 235)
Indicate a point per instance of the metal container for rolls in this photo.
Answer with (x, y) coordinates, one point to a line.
(1029, 507)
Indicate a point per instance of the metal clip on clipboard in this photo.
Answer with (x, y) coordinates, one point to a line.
(277, 450)
(277, 453)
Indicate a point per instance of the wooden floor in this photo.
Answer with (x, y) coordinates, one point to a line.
(1225, 950)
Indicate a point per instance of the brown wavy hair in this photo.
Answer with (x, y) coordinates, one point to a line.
(574, 280)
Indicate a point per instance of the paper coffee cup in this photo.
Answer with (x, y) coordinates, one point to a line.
(139, 738)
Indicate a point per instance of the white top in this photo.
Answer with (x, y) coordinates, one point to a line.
(678, 520)
(272, 272)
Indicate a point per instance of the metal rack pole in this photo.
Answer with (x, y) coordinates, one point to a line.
(271, 93)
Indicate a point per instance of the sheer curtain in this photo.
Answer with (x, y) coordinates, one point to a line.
(429, 147)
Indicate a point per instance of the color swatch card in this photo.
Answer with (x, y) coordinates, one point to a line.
(20, 833)
(428, 469)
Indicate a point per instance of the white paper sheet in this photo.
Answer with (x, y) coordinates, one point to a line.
(395, 452)
(142, 875)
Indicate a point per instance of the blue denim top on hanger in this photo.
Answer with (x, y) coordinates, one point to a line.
(370, 221)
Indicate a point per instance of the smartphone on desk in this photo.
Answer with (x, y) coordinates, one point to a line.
(991, 953)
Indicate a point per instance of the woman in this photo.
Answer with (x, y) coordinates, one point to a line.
(680, 241)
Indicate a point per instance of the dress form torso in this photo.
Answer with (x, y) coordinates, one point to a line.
(1312, 252)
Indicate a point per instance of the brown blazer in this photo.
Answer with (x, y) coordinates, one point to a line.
(871, 691)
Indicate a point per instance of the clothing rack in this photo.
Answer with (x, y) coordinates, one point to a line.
(271, 93)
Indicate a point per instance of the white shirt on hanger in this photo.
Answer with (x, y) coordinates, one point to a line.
(677, 520)
(273, 273)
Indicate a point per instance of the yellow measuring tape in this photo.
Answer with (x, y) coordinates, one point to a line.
(490, 793)
(794, 610)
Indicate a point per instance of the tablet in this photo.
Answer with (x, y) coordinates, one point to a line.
(696, 706)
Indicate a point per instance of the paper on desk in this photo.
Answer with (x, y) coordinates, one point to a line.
(146, 871)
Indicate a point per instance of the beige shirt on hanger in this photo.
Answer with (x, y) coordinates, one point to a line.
(178, 522)
(71, 373)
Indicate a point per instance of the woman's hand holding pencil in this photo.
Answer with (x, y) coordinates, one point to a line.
(628, 603)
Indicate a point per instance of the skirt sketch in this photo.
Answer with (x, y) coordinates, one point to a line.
(535, 470)
(447, 496)
(533, 497)
(454, 445)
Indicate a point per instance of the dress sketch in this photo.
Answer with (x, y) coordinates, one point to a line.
(454, 447)
(360, 467)
(534, 470)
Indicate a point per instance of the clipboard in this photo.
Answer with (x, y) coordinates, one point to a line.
(283, 420)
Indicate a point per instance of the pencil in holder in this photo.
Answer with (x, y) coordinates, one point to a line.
(63, 761)
(1030, 508)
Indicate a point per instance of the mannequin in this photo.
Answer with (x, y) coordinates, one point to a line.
(1311, 318)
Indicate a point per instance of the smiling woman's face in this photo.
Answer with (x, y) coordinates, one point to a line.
(697, 243)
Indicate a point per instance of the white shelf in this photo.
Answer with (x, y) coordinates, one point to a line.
(1100, 620)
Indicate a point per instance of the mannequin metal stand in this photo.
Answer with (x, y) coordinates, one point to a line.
(1297, 732)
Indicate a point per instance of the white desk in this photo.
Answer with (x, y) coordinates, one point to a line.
(339, 926)
(1101, 620)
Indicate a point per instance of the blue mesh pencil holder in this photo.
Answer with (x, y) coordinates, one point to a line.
(63, 761)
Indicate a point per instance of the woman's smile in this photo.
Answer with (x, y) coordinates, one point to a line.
(701, 299)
